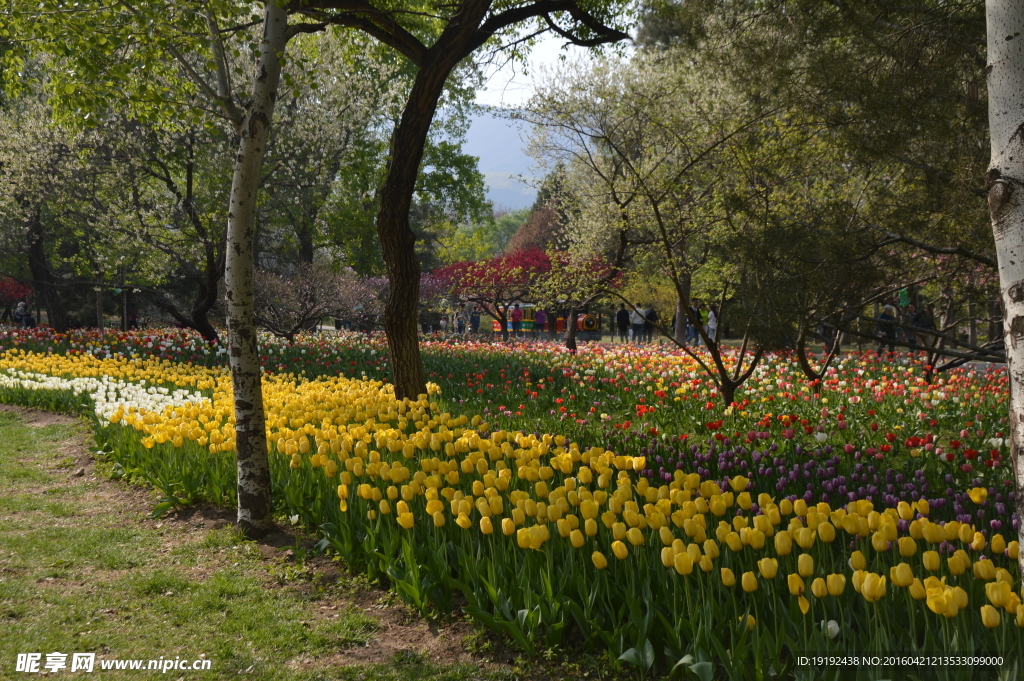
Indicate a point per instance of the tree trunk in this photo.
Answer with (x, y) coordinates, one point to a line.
(306, 250)
(503, 323)
(682, 301)
(570, 331)
(255, 511)
(972, 313)
(44, 284)
(396, 238)
(1004, 182)
(99, 306)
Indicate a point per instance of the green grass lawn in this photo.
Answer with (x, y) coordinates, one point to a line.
(84, 569)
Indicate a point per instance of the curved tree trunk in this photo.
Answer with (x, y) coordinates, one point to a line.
(396, 238)
(255, 511)
(1005, 184)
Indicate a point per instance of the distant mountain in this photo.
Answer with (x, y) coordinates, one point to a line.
(499, 145)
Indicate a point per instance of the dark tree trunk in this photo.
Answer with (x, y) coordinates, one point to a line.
(570, 331)
(396, 238)
(45, 285)
(503, 323)
(682, 302)
(305, 236)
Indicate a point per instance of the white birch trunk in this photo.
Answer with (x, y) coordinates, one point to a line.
(1005, 182)
(255, 511)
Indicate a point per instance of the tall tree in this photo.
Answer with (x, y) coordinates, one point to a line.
(1005, 182)
(460, 29)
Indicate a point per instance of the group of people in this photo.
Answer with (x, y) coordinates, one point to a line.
(638, 325)
(910, 323)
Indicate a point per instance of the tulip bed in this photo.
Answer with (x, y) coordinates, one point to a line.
(605, 500)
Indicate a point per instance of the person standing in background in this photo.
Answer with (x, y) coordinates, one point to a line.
(650, 319)
(622, 321)
(540, 322)
(517, 320)
(636, 322)
(713, 323)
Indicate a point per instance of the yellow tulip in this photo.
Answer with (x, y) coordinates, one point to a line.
(827, 532)
(405, 520)
(1020, 616)
(978, 543)
(978, 495)
(590, 527)
(739, 483)
(984, 569)
(507, 526)
(796, 584)
(819, 588)
(1013, 550)
(989, 616)
(938, 600)
(728, 578)
(998, 544)
(635, 536)
(901, 575)
(523, 537)
(462, 521)
(711, 549)
(618, 531)
(438, 518)
(683, 563)
(805, 565)
(485, 525)
(904, 511)
(959, 597)
(768, 567)
(805, 537)
(750, 622)
(917, 590)
(756, 539)
(998, 593)
(878, 542)
(805, 605)
(706, 564)
(620, 550)
(930, 560)
(668, 556)
(873, 587)
(908, 546)
(956, 564)
(600, 562)
(783, 543)
(749, 582)
(836, 584)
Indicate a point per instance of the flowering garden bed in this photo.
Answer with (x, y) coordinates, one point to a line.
(606, 500)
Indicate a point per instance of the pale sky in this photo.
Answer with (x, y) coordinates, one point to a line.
(509, 86)
(499, 142)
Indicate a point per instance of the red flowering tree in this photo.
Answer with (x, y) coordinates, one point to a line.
(497, 283)
(11, 292)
